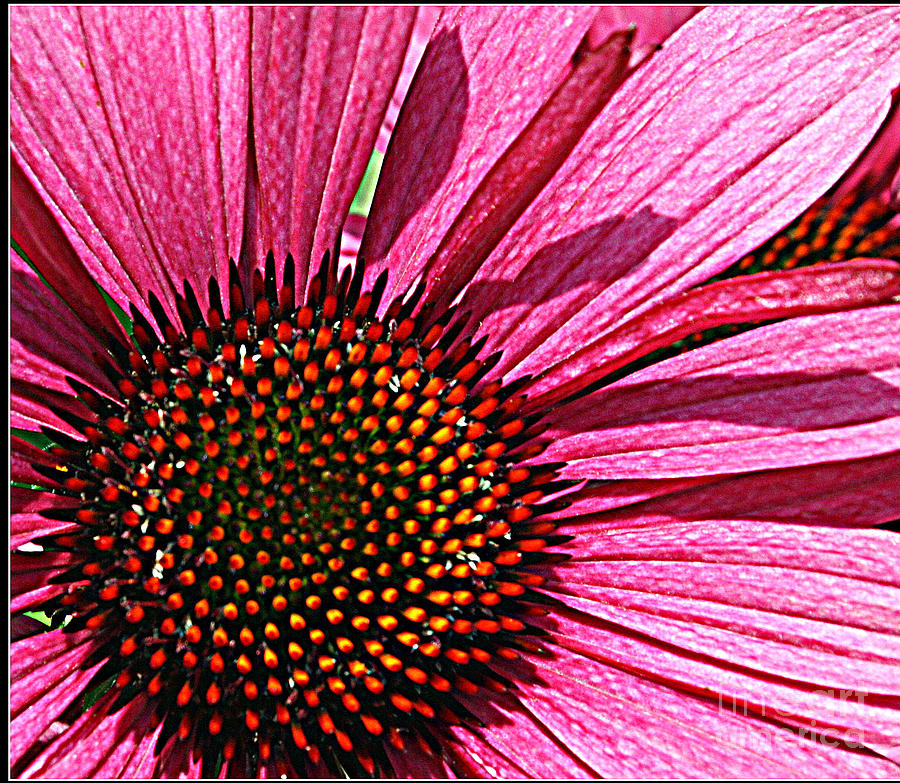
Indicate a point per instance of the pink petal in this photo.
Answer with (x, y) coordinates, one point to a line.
(803, 649)
(322, 81)
(761, 297)
(525, 167)
(418, 762)
(810, 390)
(678, 176)
(23, 456)
(351, 236)
(143, 761)
(480, 83)
(665, 649)
(588, 503)
(626, 725)
(25, 523)
(508, 728)
(36, 231)
(818, 596)
(176, 760)
(26, 501)
(138, 730)
(99, 744)
(28, 726)
(31, 570)
(860, 493)
(653, 24)
(34, 600)
(755, 656)
(32, 405)
(426, 18)
(879, 165)
(38, 663)
(472, 757)
(858, 554)
(131, 123)
(21, 626)
(48, 342)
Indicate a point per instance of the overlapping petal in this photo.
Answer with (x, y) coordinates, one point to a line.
(26, 522)
(760, 297)
(506, 728)
(667, 187)
(39, 236)
(653, 25)
(479, 85)
(49, 343)
(102, 744)
(854, 493)
(525, 167)
(806, 391)
(45, 675)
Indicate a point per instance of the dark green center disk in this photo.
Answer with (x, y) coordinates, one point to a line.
(302, 531)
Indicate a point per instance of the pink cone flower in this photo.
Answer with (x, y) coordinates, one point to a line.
(399, 520)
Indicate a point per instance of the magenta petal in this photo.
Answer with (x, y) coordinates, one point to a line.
(480, 83)
(33, 405)
(58, 692)
(98, 744)
(418, 763)
(879, 165)
(653, 24)
(756, 452)
(21, 626)
(426, 18)
(132, 125)
(176, 760)
(25, 523)
(859, 492)
(29, 575)
(23, 457)
(588, 504)
(142, 762)
(32, 663)
(31, 570)
(779, 637)
(805, 391)
(508, 728)
(472, 757)
(759, 656)
(524, 168)
(668, 187)
(49, 342)
(761, 297)
(322, 82)
(33, 600)
(131, 749)
(26, 527)
(674, 650)
(36, 231)
(818, 596)
(627, 725)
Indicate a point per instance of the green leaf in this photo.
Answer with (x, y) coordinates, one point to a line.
(41, 617)
(362, 201)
